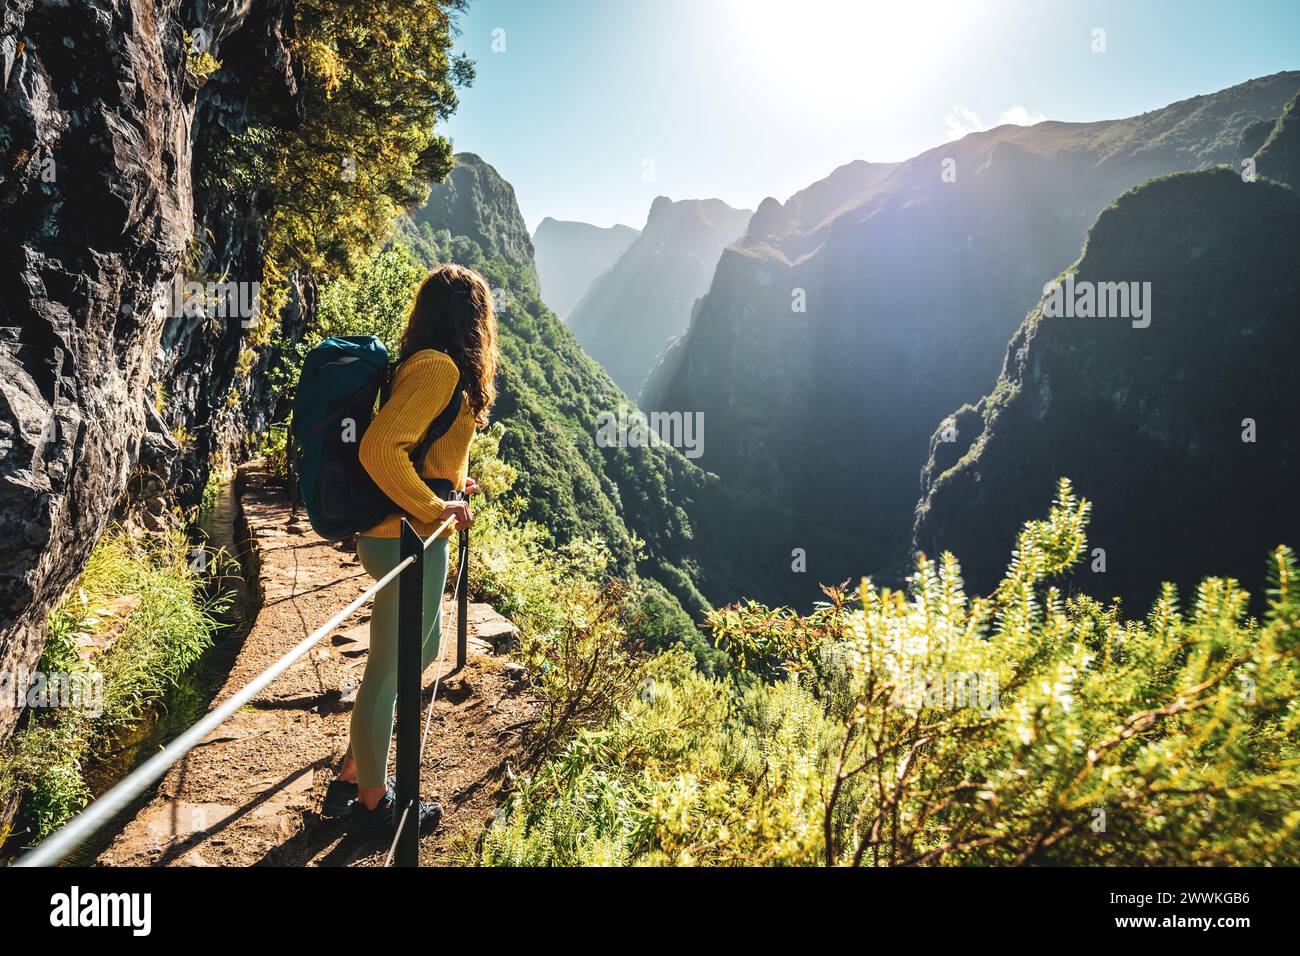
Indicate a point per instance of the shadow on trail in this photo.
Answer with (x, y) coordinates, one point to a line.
(177, 850)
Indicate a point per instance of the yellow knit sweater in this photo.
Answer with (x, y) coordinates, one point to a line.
(421, 390)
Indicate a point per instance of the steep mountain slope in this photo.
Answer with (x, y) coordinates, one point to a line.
(1279, 155)
(1193, 415)
(478, 204)
(570, 255)
(630, 312)
(550, 394)
(809, 208)
(909, 288)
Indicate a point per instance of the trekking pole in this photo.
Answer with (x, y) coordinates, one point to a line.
(410, 625)
(462, 601)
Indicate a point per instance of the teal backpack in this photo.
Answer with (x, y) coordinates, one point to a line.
(341, 381)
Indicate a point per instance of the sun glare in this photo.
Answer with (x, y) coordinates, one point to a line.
(841, 61)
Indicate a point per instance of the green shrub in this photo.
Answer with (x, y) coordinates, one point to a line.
(930, 728)
(579, 628)
(274, 450)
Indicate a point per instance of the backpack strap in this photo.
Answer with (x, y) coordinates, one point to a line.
(438, 427)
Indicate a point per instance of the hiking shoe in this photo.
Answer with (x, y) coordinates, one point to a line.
(383, 819)
(340, 795)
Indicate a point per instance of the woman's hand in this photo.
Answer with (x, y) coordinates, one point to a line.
(471, 486)
(460, 511)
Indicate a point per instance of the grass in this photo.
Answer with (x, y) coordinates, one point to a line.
(148, 595)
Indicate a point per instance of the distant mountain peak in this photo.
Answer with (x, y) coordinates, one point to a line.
(912, 285)
(810, 207)
(476, 201)
(632, 311)
(570, 255)
(667, 215)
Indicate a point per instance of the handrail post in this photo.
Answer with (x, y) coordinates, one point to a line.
(410, 628)
(462, 602)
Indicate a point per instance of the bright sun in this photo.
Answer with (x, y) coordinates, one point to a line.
(843, 60)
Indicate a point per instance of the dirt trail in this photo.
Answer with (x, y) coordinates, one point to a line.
(251, 792)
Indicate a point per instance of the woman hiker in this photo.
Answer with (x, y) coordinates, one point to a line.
(450, 336)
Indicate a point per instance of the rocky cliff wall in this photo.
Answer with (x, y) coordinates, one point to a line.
(102, 114)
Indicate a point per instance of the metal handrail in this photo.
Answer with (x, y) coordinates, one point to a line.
(59, 844)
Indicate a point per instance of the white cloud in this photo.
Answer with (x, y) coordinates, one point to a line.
(1019, 116)
(963, 120)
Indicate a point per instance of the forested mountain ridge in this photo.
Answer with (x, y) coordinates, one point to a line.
(1191, 414)
(835, 348)
(570, 255)
(631, 311)
(550, 394)
(1278, 157)
(478, 204)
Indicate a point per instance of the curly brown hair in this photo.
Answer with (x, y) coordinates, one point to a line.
(453, 311)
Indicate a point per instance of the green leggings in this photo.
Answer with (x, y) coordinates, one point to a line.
(372, 714)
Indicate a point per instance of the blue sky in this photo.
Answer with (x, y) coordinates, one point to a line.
(591, 108)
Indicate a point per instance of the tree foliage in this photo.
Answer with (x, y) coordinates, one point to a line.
(379, 76)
